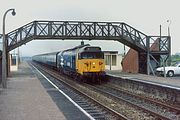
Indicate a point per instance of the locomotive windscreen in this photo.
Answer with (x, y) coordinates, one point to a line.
(91, 55)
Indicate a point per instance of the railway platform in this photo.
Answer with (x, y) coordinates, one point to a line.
(26, 99)
(161, 81)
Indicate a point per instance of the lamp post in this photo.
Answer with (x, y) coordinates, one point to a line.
(169, 60)
(169, 21)
(4, 52)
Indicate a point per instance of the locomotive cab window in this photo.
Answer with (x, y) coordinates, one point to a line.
(91, 55)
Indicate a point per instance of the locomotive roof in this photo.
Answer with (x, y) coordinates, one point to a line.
(80, 46)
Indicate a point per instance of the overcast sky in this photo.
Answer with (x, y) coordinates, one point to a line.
(144, 15)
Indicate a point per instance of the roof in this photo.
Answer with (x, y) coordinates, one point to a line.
(80, 46)
(111, 52)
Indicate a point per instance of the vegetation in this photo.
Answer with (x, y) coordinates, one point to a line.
(175, 58)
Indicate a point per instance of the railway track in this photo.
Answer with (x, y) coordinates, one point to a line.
(149, 106)
(163, 93)
(172, 108)
(155, 108)
(92, 106)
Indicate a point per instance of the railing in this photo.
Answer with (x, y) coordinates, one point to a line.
(77, 30)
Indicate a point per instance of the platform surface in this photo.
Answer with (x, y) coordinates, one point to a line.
(171, 81)
(26, 99)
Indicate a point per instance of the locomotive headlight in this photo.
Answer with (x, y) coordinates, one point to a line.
(93, 63)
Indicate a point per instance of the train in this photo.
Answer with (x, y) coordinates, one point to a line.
(83, 63)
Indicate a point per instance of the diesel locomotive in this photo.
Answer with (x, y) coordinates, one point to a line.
(84, 62)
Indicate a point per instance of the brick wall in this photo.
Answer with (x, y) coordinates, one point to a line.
(130, 62)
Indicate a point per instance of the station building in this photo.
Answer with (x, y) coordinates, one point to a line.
(13, 61)
(113, 60)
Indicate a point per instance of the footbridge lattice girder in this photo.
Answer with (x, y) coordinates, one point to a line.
(117, 31)
(78, 30)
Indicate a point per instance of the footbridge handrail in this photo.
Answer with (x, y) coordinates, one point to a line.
(118, 31)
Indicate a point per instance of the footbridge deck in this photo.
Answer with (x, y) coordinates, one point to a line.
(77, 30)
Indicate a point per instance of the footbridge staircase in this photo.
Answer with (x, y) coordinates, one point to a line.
(80, 30)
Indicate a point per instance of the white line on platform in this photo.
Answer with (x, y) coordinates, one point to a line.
(87, 114)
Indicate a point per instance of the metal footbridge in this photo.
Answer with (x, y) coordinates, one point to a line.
(80, 30)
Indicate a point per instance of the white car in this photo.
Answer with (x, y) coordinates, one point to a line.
(170, 70)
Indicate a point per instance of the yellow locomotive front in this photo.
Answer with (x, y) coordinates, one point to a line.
(90, 63)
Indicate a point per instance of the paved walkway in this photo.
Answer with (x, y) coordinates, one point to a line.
(161, 80)
(26, 99)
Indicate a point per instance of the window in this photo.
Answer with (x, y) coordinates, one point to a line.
(13, 60)
(91, 55)
(114, 60)
(107, 59)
